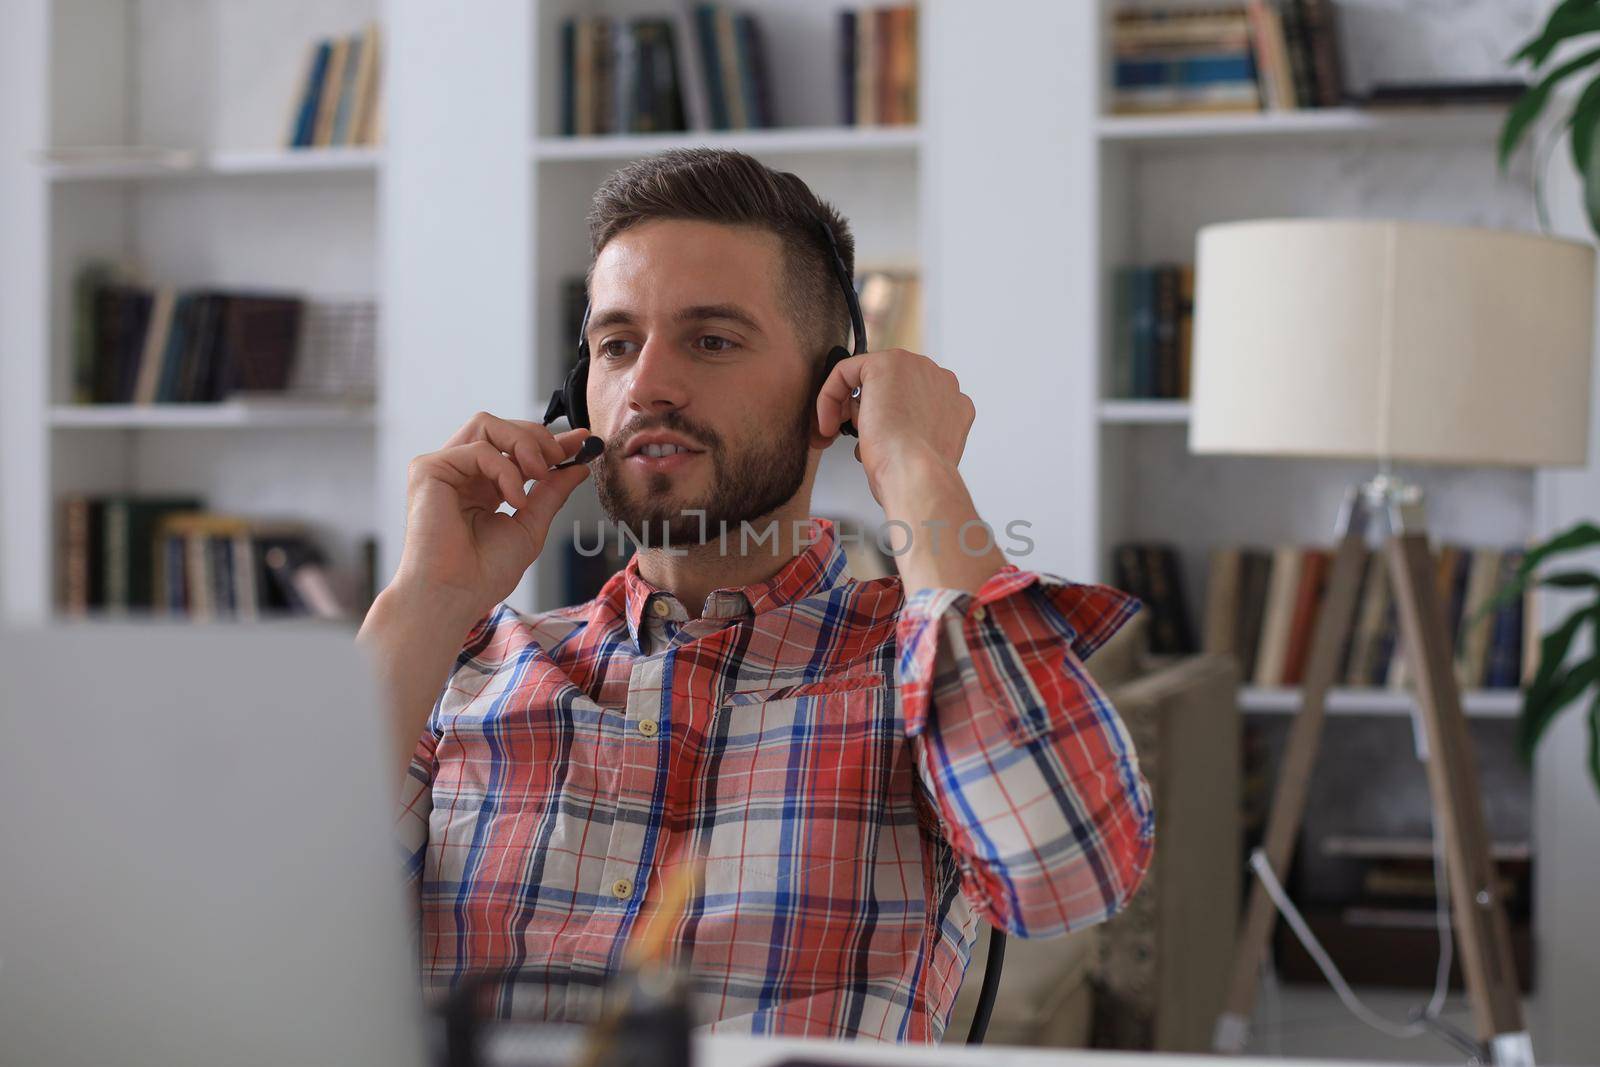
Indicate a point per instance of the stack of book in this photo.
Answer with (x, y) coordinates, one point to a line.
(164, 555)
(338, 103)
(1262, 607)
(1153, 573)
(703, 68)
(621, 77)
(134, 345)
(878, 69)
(891, 308)
(1261, 55)
(1152, 332)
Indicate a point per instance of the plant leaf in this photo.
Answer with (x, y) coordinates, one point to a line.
(1540, 710)
(1530, 103)
(1582, 121)
(1571, 580)
(1570, 18)
(1591, 182)
(1594, 743)
(1581, 536)
(1553, 648)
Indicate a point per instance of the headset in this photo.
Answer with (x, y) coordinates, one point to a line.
(571, 399)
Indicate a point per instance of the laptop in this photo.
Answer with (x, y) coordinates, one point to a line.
(196, 860)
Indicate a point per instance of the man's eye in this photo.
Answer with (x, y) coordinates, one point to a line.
(616, 349)
(712, 343)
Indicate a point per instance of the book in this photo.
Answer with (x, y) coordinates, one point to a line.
(1320, 20)
(846, 22)
(1165, 344)
(1185, 330)
(1372, 615)
(1123, 296)
(1223, 588)
(328, 98)
(867, 71)
(1473, 638)
(364, 125)
(1503, 668)
(1314, 566)
(1255, 579)
(303, 133)
(1144, 332)
(344, 111)
(728, 59)
(1279, 616)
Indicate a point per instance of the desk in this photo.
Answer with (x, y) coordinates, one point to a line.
(734, 1050)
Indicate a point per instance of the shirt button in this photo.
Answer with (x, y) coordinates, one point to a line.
(661, 608)
(979, 613)
(648, 727)
(621, 888)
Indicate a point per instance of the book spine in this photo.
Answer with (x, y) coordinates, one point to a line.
(670, 96)
(74, 541)
(1122, 333)
(745, 61)
(847, 67)
(306, 122)
(883, 86)
(1166, 342)
(1185, 330)
(867, 70)
(1299, 52)
(705, 21)
(728, 58)
(569, 77)
(605, 86)
(1327, 63)
(1144, 329)
(344, 113)
(114, 554)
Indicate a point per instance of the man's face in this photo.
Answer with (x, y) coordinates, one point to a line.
(697, 380)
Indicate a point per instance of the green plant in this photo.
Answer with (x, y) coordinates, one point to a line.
(1570, 20)
(1561, 679)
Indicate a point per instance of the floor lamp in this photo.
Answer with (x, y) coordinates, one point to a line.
(1392, 342)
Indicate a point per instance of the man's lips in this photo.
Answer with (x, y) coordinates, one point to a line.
(660, 451)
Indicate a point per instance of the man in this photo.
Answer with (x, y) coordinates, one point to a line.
(862, 771)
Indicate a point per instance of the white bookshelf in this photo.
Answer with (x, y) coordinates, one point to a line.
(204, 195)
(1478, 704)
(1426, 125)
(1147, 185)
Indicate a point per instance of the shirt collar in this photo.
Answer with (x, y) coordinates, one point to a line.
(818, 567)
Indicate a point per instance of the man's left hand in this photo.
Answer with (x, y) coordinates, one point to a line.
(911, 412)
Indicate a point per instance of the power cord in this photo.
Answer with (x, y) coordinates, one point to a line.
(1425, 1020)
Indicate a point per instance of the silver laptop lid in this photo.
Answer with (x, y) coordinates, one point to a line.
(195, 856)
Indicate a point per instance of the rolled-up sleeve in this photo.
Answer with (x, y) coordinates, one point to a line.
(1028, 767)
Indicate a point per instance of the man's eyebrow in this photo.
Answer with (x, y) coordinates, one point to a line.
(693, 313)
(731, 312)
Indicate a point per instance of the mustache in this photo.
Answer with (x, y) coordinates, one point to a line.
(673, 421)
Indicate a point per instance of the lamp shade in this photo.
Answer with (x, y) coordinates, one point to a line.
(1392, 340)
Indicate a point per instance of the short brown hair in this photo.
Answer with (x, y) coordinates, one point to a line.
(719, 185)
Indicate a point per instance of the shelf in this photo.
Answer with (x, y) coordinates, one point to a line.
(1144, 412)
(865, 140)
(1478, 704)
(229, 415)
(141, 166)
(1430, 125)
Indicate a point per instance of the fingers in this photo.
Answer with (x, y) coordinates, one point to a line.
(466, 467)
(832, 400)
(531, 445)
(546, 498)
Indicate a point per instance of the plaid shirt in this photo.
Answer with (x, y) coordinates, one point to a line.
(864, 776)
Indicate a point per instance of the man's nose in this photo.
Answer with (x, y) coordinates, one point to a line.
(659, 379)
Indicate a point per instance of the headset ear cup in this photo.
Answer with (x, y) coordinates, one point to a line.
(577, 390)
(836, 355)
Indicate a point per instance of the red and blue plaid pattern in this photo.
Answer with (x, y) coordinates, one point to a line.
(863, 777)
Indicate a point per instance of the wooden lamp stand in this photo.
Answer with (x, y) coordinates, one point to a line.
(1482, 932)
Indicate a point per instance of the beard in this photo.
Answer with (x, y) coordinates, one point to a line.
(745, 485)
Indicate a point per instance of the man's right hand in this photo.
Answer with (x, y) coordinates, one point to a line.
(462, 556)
(460, 551)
